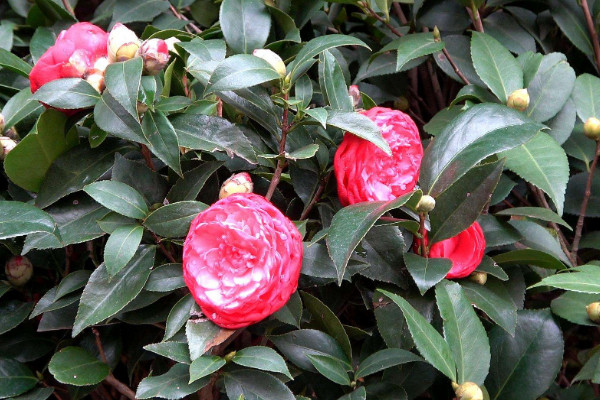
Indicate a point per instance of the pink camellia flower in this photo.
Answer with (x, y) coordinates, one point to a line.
(73, 55)
(465, 250)
(365, 173)
(241, 260)
(155, 53)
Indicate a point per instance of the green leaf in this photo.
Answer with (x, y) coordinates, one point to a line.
(350, 225)
(493, 299)
(384, 359)
(189, 186)
(165, 278)
(315, 47)
(583, 282)
(506, 29)
(495, 65)
(245, 24)
(162, 139)
(173, 220)
(13, 63)
(75, 169)
(303, 153)
(590, 370)
(68, 94)
(549, 91)
(111, 116)
(104, 296)
(325, 320)
(358, 125)
(297, 345)
(137, 10)
(204, 57)
(179, 315)
(27, 164)
(429, 342)
(464, 332)
(255, 385)
(263, 358)
(239, 72)
(20, 107)
(15, 378)
(525, 365)
(333, 84)
(537, 237)
(586, 95)
(426, 272)
(331, 368)
(477, 133)
(202, 335)
(291, 312)
(458, 46)
(537, 213)
(171, 385)
(18, 219)
(529, 257)
(121, 246)
(460, 205)
(12, 313)
(204, 366)
(75, 366)
(176, 351)
(72, 282)
(208, 133)
(416, 45)
(570, 19)
(118, 197)
(49, 302)
(319, 114)
(571, 306)
(576, 191)
(40, 393)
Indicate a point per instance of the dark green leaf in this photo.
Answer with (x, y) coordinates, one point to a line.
(176, 351)
(171, 385)
(255, 385)
(202, 335)
(263, 358)
(426, 272)
(358, 125)
(529, 257)
(583, 282)
(165, 278)
(571, 306)
(68, 93)
(173, 220)
(494, 300)
(414, 46)
(245, 24)
(11, 62)
(162, 139)
(12, 313)
(569, 17)
(549, 91)
(121, 246)
(333, 84)
(204, 366)
(15, 378)
(239, 72)
(118, 197)
(75, 366)
(179, 315)
(384, 359)
(586, 95)
(72, 282)
(331, 368)
(18, 219)
(535, 212)
(189, 186)
(138, 10)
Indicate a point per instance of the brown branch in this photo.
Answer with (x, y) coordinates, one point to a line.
(316, 197)
(584, 204)
(281, 163)
(592, 29)
(147, 157)
(110, 379)
(423, 232)
(163, 249)
(475, 17)
(400, 13)
(455, 67)
(437, 89)
(368, 10)
(183, 17)
(68, 7)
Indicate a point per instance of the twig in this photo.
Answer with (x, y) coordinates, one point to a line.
(584, 204)
(110, 379)
(422, 231)
(183, 17)
(68, 7)
(400, 13)
(437, 89)
(147, 157)
(475, 17)
(455, 67)
(379, 18)
(592, 29)
(281, 163)
(163, 249)
(316, 197)
(561, 237)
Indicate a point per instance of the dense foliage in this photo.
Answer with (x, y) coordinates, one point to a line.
(99, 189)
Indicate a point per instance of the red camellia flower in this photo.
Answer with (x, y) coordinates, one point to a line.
(465, 250)
(73, 55)
(241, 260)
(365, 173)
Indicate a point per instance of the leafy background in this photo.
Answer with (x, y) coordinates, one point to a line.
(107, 313)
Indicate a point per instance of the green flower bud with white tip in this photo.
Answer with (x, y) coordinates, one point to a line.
(123, 43)
(478, 277)
(593, 311)
(426, 204)
(591, 128)
(467, 391)
(518, 100)
(273, 59)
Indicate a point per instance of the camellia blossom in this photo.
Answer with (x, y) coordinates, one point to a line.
(465, 250)
(155, 53)
(73, 55)
(364, 172)
(241, 260)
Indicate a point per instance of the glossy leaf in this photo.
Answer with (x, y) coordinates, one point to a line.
(171, 385)
(162, 139)
(68, 93)
(18, 219)
(118, 197)
(358, 125)
(414, 46)
(173, 220)
(384, 359)
(249, 384)
(121, 246)
(15, 378)
(330, 368)
(239, 72)
(426, 272)
(263, 358)
(204, 366)
(245, 24)
(75, 366)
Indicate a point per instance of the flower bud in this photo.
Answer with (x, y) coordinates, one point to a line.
(2, 125)
(518, 100)
(7, 145)
(171, 43)
(155, 54)
(354, 93)
(426, 204)
(591, 128)
(122, 44)
(272, 58)
(468, 391)
(101, 64)
(80, 61)
(593, 311)
(18, 270)
(237, 183)
(97, 81)
(437, 37)
(401, 104)
(479, 277)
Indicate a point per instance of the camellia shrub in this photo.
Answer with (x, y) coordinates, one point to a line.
(278, 200)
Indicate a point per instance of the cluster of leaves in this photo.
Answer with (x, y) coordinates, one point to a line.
(100, 202)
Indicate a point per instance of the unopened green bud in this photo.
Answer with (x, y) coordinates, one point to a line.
(518, 100)
(426, 204)
(591, 128)
(437, 37)
(479, 277)
(18, 270)
(593, 311)
(468, 391)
